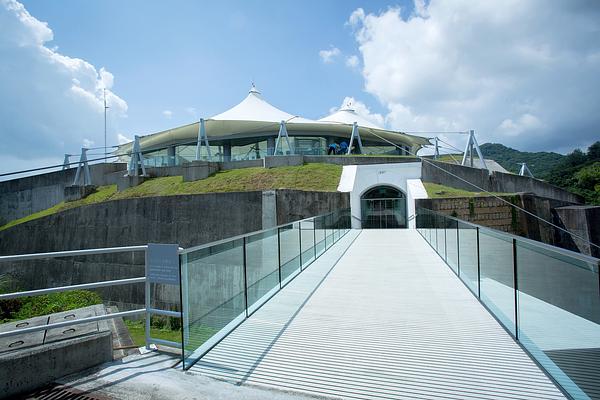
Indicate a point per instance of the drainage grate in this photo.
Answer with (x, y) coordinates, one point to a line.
(61, 392)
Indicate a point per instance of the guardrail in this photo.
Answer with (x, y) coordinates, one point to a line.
(262, 262)
(225, 282)
(546, 297)
(147, 310)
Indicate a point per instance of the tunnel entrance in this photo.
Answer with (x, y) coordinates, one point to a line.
(383, 207)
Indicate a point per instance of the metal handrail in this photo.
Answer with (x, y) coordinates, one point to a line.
(494, 232)
(71, 253)
(93, 285)
(233, 238)
(71, 322)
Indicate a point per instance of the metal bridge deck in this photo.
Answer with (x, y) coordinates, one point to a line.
(389, 320)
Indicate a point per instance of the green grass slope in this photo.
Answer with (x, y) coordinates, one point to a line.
(309, 177)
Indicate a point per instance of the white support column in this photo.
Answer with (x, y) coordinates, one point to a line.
(436, 152)
(202, 141)
(83, 164)
(66, 162)
(136, 159)
(282, 133)
(355, 135)
(525, 171)
(472, 143)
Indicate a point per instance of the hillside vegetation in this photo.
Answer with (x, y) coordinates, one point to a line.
(578, 171)
(539, 163)
(309, 177)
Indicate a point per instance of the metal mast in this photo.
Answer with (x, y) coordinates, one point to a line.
(105, 108)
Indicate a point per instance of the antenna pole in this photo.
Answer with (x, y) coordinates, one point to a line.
(105, 107)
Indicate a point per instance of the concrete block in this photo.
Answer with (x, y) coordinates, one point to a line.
(54, 335)
(26, 369)
(197, 170)
(76, 192)
(282, 161)
(17, 342)
(126, 182)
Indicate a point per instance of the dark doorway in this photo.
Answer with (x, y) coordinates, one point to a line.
(383, 207)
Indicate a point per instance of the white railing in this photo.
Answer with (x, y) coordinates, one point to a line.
(147, 310)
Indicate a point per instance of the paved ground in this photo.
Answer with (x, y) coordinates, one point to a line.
(154, 376)
(390, 320)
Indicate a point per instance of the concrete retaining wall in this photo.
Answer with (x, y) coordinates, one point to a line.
(496, 182)
(359, 160)
(293, 205)
(584, 221)
(25, 196)
(188, 220)
(493, 213)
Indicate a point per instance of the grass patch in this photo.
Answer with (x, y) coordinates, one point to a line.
(35, 306)
(309, 177)
(436, 191)
(137, 332)
(103, 193)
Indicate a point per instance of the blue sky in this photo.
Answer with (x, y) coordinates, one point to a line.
(525, 73)
(204, 55)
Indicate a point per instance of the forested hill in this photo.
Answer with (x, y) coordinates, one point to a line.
(540, 163)
(578, 171)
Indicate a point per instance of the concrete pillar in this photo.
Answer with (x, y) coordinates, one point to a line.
(270, 145)
(227, 152)
(269, 209)
(171, 156)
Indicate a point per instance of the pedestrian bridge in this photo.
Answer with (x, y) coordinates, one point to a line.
(379, 315)
(447, 310)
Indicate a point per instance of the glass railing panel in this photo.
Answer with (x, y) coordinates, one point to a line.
(467, 249)
(329, 224)
(289, 238)
(262, 267)
(434, 232)
(334, 231)
(213, 296)
(441, 236)
(559, 314)
(497, 276)
(452, 244)
(307, 241)
(319, 234)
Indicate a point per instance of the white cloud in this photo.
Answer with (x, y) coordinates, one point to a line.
(192, 112)
(329, 56)
(167, 114)
(526, 74)
(87, 142)
(352, 61)
(51, 103)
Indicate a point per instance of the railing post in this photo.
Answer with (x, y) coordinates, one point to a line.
(445, 241)
(457, 249)
(315, 236)
(183, 315)
(478, 267)
(245, 276)
(279, 255)
(300, 242)
(147, 303)
(516, 285)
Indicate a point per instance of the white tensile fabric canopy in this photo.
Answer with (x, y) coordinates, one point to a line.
(347, 115)
(254, 118)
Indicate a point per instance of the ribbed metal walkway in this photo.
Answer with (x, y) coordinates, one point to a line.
(389, 320)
